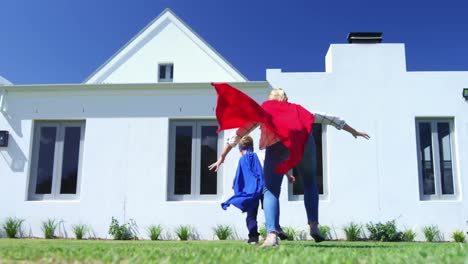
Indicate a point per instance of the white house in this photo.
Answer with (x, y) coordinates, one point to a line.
(134, 140)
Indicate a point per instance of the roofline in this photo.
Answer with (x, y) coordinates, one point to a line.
(128, 86)
(207, 44)
(4, 81)
(167, 10)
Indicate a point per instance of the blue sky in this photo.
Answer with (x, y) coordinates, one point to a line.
(64, 41)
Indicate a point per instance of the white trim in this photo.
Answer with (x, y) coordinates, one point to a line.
(60, 127)
(436, 160)
(131, 87)
(167, 16)
(195, 178)
(2, 99)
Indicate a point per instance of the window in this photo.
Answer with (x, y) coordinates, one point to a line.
(296, 191)
(166, 72)
(56, 160)
(435, 159)
(193, 147)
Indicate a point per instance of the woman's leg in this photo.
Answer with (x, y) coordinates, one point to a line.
(274, 155)
(308, 170)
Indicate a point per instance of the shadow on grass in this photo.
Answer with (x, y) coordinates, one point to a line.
(345, 246)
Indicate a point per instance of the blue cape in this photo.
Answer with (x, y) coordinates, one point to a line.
(248, 183)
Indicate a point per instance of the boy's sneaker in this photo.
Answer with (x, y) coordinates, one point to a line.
(270, 241)
(253, 240)
(316, 234)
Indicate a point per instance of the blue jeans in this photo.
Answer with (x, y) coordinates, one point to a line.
(307, 172)
(307, 169)
(274, 155)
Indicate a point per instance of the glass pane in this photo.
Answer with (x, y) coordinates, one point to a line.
(208, 155)
(445, 153)
(45, 163)
(426, 160)
(162, 72)
(183, 160)
(172, 72)
(71, 154)
(310, 169)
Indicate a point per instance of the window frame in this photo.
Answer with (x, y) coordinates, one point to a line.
(436, 160)
(195, 177)
(168, 71)
(324, 196)
(58, 159)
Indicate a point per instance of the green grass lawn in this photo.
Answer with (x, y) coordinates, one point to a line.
(51, 251)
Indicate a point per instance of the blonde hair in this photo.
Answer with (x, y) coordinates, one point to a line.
(278, 94)
(246, 142)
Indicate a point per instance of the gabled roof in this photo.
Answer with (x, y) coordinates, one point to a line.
(4, 81)
(166, 16)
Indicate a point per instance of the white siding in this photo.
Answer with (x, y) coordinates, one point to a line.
(377, 180)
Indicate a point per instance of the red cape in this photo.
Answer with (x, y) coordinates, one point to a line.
(291, 123)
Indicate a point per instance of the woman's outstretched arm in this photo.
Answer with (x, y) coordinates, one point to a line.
(355, 133)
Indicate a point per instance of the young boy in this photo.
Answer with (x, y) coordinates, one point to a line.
(248, 187)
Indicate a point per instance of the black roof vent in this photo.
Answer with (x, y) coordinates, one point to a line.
(365, 37)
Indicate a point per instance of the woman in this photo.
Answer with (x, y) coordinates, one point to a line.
(285, 129)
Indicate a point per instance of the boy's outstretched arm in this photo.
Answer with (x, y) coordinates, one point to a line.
(355, 133)
(218, 163)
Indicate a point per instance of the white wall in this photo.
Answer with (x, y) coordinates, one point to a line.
(166, 40)
(126, 145)
(124, 161)
(377, 180)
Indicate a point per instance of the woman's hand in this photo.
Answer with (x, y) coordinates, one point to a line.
(361, 134)
(354, 132)
(216, 165)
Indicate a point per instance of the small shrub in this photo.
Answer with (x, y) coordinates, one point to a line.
(80, 230)
(458, 236)
(325, 230)
(48, 228)
(302, 235)
(120, 232)
(431, 233)
(353, 231)
(263, 231)
(12, 227)
(155, 232)
(408, 235)
(383, 232)
(184, 232)
(223, 232)
(291, 233)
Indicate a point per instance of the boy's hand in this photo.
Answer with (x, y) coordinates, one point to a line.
(291, 179)
(216, 165)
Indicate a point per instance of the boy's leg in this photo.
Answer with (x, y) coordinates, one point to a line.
(251, 221)
(252, 224)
